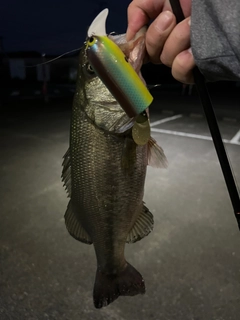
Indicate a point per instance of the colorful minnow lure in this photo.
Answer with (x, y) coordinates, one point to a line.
(112, 67)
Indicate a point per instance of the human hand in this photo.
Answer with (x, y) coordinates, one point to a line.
(166, 42)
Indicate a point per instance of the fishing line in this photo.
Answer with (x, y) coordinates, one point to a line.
(213, 126)
(51, 60)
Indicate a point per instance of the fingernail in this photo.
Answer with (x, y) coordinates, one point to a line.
(164, 20)
(189, 21)
(190, 50)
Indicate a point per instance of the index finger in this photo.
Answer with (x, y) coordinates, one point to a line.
(140, 12)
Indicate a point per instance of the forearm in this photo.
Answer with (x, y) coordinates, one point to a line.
(215, 38)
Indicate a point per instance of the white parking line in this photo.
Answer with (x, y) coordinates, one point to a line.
(236, 138)
(191, 135)
(155, 123)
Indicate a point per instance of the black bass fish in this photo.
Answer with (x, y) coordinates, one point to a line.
(104, 173)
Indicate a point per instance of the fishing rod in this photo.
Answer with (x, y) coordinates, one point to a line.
(213, 125)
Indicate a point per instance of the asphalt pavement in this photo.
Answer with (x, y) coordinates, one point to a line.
(191, 260)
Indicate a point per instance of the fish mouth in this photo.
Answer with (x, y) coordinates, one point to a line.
(134, 50)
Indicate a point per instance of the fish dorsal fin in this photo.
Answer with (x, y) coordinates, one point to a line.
(142, 227)
(74, 226)
(156, 156)
(66, 172)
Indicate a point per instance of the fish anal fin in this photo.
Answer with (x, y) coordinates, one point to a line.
(108, 287)
(142, 227)
(74, 226)
(156, 156)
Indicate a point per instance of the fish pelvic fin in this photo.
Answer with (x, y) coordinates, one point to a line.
(142, 227)
(108, 287)
(74, 227)
(156, 156)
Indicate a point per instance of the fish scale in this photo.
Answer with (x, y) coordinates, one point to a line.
(97, 179)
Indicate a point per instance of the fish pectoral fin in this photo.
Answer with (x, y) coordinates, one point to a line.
(74, 226)
(142, 227)
(156, 156)
(66, 172)
(128, 157)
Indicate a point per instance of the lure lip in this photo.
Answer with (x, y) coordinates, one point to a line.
(98, 25)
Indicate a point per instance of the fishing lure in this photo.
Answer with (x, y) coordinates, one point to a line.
(112, 67)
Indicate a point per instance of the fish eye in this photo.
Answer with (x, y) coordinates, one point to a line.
(90, 69)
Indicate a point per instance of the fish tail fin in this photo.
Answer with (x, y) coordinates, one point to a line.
(109, 287)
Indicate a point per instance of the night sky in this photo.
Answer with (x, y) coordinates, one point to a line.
(53, 26)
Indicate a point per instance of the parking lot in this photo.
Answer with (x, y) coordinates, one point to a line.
(191, 260)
